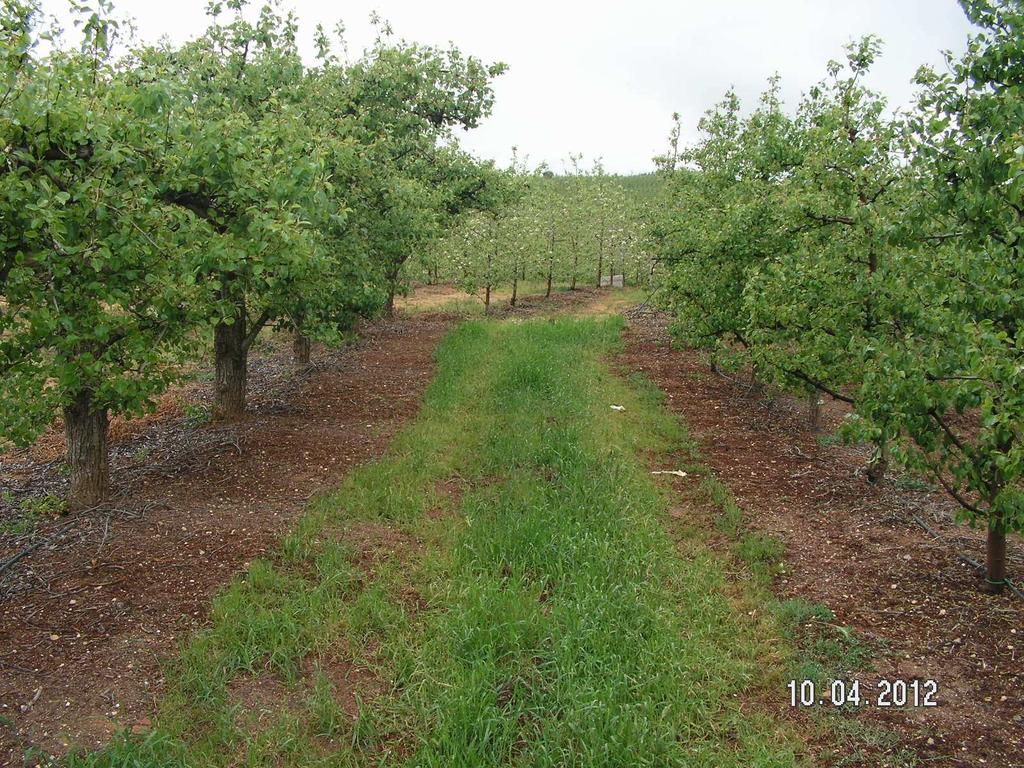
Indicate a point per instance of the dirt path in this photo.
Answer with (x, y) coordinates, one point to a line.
(857, 549)
(84, 623)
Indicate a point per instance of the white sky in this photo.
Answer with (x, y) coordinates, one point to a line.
(604, 78)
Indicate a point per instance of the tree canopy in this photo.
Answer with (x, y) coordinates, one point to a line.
(155, 195)
(848, 251)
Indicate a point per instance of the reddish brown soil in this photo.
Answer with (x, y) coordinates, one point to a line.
(86, 618)
(857, 549)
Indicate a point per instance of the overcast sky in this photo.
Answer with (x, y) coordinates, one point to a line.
(604, 78)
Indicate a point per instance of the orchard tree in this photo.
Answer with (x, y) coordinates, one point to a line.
(480, 247)
(549, 209)
(577, 222)
(535, 224)
(820, 305)
(242, 159)
(477, 251)
(314, 185)
(94, 303)
(405, 102)
(599, 212)
(954, 383)
(722, 221)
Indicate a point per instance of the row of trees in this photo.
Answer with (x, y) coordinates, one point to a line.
(876, 259)
(156, 198)
(570, 230)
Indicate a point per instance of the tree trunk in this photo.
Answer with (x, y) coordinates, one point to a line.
(515, 291)
(600, 268)
(756, 385)
(879, 463)
(575, 265)
(491, 255)
(300, 348)
(551, 259)
(301, 344)
(995, 557)
(86, 426)
(814, 411)
(231, 358)
(393, 274)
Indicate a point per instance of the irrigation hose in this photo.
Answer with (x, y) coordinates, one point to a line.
(966, 558)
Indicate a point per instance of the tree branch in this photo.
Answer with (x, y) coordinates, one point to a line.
(254, 330)
(818, 385)
(954, 493)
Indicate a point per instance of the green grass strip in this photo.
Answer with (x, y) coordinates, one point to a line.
(558, 624)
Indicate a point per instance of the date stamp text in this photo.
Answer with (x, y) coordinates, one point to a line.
(854, 693)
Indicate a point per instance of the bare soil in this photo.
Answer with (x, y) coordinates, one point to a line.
(860, 550)
(86, 617)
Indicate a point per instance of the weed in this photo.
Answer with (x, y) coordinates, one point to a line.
(826, 650)
(793, 614)
(32, 512)
(830, 439)
(730, 517)
(865, 743)
(196, 414)
(762, 553)
(910, 482)
(328, 716)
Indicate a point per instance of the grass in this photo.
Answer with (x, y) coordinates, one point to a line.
(807, 642)
(762, 553)
(32, 511)
(530, 608)
(818, 648)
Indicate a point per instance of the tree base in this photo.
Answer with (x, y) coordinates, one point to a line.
(231, 374)
(86, 428)
(301, 347)
(993, 587)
